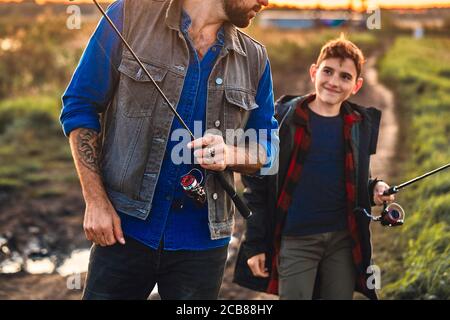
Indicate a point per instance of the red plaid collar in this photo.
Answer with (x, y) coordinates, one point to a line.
(301, 117)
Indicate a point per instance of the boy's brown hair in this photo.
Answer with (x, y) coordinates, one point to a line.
(342, 48)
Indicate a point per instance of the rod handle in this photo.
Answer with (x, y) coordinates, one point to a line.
(391, 190)
(243, 209)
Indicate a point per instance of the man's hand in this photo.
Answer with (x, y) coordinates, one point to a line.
(258, 265)
(211, 152)
(102, 224)
(378, 191)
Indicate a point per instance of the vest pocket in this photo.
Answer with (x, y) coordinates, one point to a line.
(241, 98)
(136, 93)
(238, 104)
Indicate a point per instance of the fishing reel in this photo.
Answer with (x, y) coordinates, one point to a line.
(192, 187)
(392, 215)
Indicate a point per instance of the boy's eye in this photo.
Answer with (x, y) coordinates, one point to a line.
(346, 77)
(326, 71)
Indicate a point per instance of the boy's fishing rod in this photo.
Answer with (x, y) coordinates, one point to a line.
(238, 202)
(395, 189)
(393, 215)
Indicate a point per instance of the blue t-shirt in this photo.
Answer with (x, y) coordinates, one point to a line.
(319, 200)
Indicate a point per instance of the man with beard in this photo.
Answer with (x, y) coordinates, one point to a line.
(145, 227)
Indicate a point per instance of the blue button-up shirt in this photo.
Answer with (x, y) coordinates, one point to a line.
(174, 218)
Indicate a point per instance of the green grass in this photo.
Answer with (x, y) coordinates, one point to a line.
(34, 154)
(418, 71)
(33, 149)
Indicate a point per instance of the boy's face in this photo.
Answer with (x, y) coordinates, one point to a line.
(335, 80)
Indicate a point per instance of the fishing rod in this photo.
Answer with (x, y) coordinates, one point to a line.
(393, 215)
(229, 189)
(395, 189)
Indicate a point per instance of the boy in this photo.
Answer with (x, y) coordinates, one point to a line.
(306, 240)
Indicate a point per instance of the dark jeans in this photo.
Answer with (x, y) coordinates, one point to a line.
(130, 272)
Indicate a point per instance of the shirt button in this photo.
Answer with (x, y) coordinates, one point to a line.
(177, 204)
(214, 49)
(219, 81)
(215, 196)
(217, 123)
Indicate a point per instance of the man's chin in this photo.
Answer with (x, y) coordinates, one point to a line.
(242, 24)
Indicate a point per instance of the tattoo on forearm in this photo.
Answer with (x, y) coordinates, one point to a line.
(88, 147)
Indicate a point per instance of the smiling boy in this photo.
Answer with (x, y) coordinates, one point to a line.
(306, 240)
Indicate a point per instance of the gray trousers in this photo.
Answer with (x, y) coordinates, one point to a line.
(327, 256)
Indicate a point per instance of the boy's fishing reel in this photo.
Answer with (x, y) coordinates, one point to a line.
(392, 215)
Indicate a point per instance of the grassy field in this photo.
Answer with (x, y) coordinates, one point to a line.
(35, 67)
(419, 72)
(34, 154)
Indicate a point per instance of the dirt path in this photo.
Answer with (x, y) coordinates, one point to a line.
(51, 223)
(377, 95)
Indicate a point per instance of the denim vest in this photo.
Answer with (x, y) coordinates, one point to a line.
(136, 125)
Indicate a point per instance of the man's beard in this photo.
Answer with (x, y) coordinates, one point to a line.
(238, 15)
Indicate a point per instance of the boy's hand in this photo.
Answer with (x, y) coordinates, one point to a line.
(378, 191)
(258, 265)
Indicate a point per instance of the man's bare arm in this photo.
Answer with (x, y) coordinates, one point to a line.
(86, 153)
(101, 222)
(88, 149)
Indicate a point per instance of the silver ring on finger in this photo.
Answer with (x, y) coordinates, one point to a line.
(212, 152)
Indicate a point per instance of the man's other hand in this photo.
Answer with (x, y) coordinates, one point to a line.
(102, 224)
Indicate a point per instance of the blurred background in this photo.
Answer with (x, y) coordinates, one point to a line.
(43, 251)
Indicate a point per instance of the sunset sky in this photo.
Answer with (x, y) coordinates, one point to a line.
(327, 3)
(383, 3)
